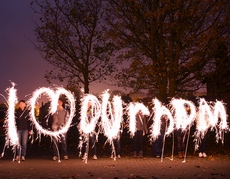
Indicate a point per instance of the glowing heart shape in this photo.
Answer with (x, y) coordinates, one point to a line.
(54, 96)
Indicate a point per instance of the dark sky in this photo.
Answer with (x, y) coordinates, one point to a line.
(19, 61)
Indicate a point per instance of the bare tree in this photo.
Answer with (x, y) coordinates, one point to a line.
(70, 36)
(168, 43)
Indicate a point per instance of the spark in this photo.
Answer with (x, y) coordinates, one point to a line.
(11, 129)
(88, 120)
(53, 96)
(133, 109)
(106, 116)
(209, 116)
(159, 110)
(220, 113)
(89, 116)
(204, 117)
(111, 118)
(184, 113)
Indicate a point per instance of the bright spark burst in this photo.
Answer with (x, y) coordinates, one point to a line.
(208, 115)
(159, 110)
(212, 117)
(133, 109)
(184, 113)
(89, 119)
(53, 96)
(111, 117)
(11, 129)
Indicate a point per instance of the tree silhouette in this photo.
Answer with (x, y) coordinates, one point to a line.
(70, 36)
(168, 43)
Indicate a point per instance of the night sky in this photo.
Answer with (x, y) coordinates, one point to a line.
(19, 61)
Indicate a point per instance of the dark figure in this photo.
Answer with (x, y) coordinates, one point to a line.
(126, 100)
(202, 147)
(117, 146)
(45, 118)
(59, 120)
(92, 143)
(181, 140)
(141, 125)
(91, 139)
(158, 143)
(24, 128)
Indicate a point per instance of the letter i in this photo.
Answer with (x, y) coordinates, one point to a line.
(10, 120)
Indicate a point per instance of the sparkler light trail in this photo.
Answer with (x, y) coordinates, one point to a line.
(88, 121)
(89, 116)
(11, 130)
(108, 116)
(184, 113)
(220, 113)
(203, 118)
(133, 109)
(211, 116)
(111, 118)
(54, 96)
(159, 110)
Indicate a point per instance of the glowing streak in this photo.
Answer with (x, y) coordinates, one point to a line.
(111, 118)
(208, 117)
(54, 103)
(10, 120)
(88, 123)
(133, 109)
(160, 111)
(205, 116)
(182, 118)
(220, 113)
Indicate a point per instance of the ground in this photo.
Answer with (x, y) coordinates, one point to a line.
(41, 166)
(39, 162)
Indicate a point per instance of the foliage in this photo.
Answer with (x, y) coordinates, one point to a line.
(168, 43)
(70, 37)
(218, 80)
